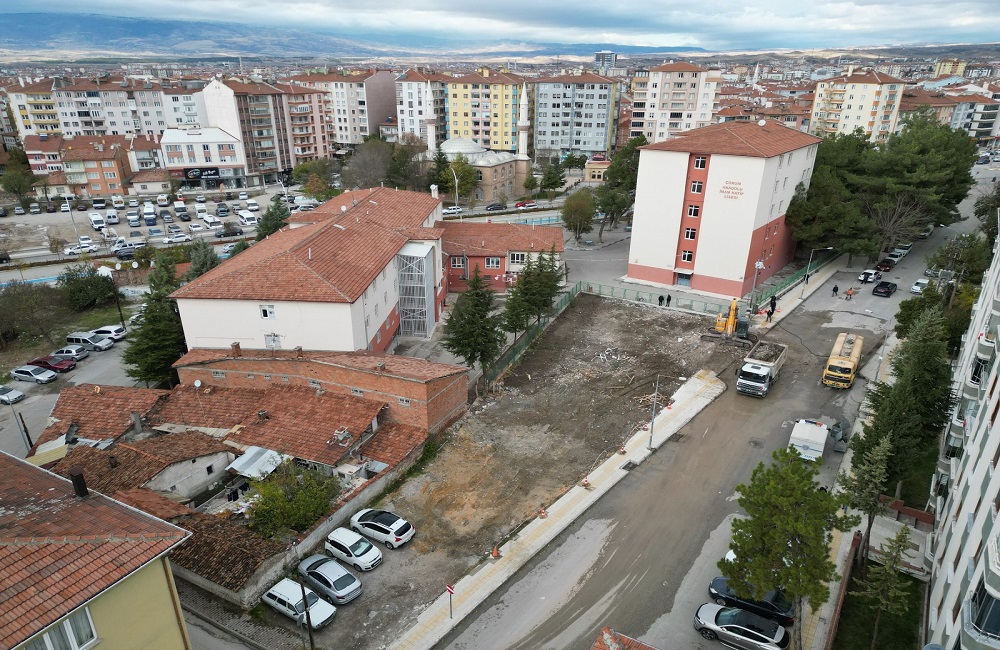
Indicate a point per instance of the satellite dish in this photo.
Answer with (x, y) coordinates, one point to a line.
(197, 383)
(762, 123)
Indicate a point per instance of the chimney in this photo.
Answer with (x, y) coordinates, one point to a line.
(79, 483)
(234, 349)
(298, 351)
(380, 366)
(136, 422)
(434, 191)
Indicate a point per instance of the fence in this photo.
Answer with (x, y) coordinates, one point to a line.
(678, 301)
(763, 294)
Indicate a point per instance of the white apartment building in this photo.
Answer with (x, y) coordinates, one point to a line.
(420, 102)
(964, 601)
(33, 106)
(110, 106)
(203, 157)
(865, 100)
(672, 98)
(352, 105)
(575, 114)
(978, 116)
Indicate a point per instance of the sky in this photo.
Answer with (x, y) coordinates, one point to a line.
(710, 24)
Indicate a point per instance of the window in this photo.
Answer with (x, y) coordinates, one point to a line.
(518, 258)
(314, 383)
(210, 469)
(493, 262)
(694, 210)
(458, 262)
(267, 311)
(687, 256)
(700, 162)
(403, 401)
(696, 187)
(218, 374)
(74, 633)
(690, 233)
(357, 392)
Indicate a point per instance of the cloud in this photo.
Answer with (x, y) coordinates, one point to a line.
(710, 24)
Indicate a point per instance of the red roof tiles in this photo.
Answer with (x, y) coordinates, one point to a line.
(59, 551)
(477, 238)
(98, 411)
(678, 67)
(738, 139)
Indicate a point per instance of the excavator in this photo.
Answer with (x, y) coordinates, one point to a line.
(732, 328)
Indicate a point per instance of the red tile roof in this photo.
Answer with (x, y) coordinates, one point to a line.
(382, 205)
(393, 442)
(419, 75)
(863, 77)
(361, 77)
(747, 139)
(399, 367)
(493, 78)
(585, 78)
(680, 66)
(218, 550)
(59, 551)
(151, 176)
(477, 238)
(99, 411)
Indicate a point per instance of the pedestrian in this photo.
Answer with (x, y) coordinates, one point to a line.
(770, 312)
(668, 300)
(836, 290)
(661, 301)
(849, 293)
(774, 303)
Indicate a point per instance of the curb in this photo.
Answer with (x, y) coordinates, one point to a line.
(242, 638)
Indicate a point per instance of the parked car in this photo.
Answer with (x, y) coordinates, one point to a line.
(896, 256)
(115, 332)
(775, 605)
(195, 227)
(10, 396)
(884, 288)
(244, 196)
(932, 272)
(4, 257)
(177, 238)
(100, 204)
(351, 548)
(85, 240)
(125, 254)
(50, 208)
(330, 579)
(739, 629)
(926, 232)
(18, 209)
(184, 216)
(53, 363)
(133, 203)
(74, 352)
(79, 249)
(452, 209)
(869, 275)
(81, 206)
(919, 286)
(33, 373)
(3, 211)
(172, 228)
(492, 207)
(200, 198)
(229, 229)
(525, 205)
(65, 207)
(885, 265)
(286, 598)
(383, 526)
(155, 232)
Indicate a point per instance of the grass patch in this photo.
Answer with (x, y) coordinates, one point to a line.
(917, 479)
(259, 614)
(857, 619)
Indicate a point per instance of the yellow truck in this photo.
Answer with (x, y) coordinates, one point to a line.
(843, 365)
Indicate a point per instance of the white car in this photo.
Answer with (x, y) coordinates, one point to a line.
(353, 549)
(177, 238)
(195, 227)
(383, 526)
(454, 209)
(114, 332)
(33, 373)
(919, 286)
(85, 241)
(64, 207)
(243, 196)
(200, 198)
(10, 396)
(79, 249)
(286, 598)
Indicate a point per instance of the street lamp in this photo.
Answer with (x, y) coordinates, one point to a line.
(21, 428)
(106, 272)
(809, 268)
(758, 266)
(656, 395)
(73, 219)
(456, 188)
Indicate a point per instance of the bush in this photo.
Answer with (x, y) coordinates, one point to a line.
(84, 288)
(292, 497)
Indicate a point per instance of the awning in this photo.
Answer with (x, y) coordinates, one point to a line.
(257, 462)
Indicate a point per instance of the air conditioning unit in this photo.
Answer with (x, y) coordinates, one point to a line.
(351, 472)
(341, 437)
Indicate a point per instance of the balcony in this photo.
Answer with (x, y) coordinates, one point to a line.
(981, 624)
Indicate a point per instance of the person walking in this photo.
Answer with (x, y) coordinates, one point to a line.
(774, 303)
(668, 300)
(770, 312)
(836, 290)
(849, 293)
(661, 301)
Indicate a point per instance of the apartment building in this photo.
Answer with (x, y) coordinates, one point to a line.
(964, 598)
(950, 67)
(484, 107)
(672, 98)
(575, 114)
(865, 100)
(111, 106)
(204, 158)
(33, 105)
(96, 165)
(977, 116)
(915, 98)
(352, 104)
(420, 102)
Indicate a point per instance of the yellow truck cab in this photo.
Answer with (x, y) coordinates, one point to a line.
(845, 358)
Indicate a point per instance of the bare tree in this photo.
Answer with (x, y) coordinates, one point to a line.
(369, 165)
(895, 215)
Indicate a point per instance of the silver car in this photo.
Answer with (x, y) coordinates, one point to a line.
(739, 629)
(330, 579)
(33, 373)
(74, 352)
(10, 396)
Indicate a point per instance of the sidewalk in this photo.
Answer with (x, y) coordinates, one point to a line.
(435, 622)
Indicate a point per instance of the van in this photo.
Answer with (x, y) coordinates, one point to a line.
(100, 204)
(34, 208)
(97, 221)
(252, 205)
(201, 209)
(247, 218)
(179, 207)
(111, 216)
(213, 223)
(148, 209)
(163, 200)
(90, 341)
(118, 201)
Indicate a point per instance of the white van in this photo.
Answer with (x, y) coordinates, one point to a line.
(111, 216)
(252, 205)
(90, 341)
(118, 201)
(148, 210)
(247, 218)
(180, 207)
(97, 221)
(212, 223)
(201, 210)
(163, 200)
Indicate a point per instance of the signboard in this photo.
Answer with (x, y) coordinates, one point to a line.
(198, 173)
(451, 590)
(732, 190)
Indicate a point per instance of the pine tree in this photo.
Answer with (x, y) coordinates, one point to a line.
(530, 183)
(885, 586)
(158, 341)
(203, 259)
(865, 485)
(553, 178)
(274, 218)
(473, 331)
(240, 246)
(517, 313)
(439, 174)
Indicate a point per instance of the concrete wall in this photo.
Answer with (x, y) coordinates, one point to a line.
(190, 477)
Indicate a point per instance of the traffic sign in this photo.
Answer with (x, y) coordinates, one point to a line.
(451, 590)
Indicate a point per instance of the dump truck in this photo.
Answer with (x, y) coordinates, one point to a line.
(809, 438)
(844, 362)
(760, 368)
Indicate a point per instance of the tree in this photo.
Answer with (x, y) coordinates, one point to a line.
(468, 177)
(28, 310)
(895, 215)
(911, 308)
(825, 216)
(240, 246)
(613, 204)
(158, 340)
(885, 586)
(274, 218)
(318, 188)
(623, 172)
(163, 279)
(368, 165)
(553, 179)
(517, 312)
(404, 169)
(322, 167)
(83, 287)
(578, 213)
(473, 331)
(865, 485)
(203, 259)
(291, 497)
(986, 210)
(785, 539)
(17, 181)
(530, 183)
(439, 173)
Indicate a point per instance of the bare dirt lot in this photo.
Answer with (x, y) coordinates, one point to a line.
(585, 386)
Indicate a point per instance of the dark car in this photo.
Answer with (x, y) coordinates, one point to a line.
(50, 208)
(55, 364)
(228, 230)
(885, 265)
(4, 257)
(81, 206)
(3, 211)
(774, 606)
(884, 288)
(184, 216)
(496, 206)
(126, 254)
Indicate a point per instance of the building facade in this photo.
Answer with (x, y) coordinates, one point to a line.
(574, 114)
(420, 103)
(203, 158)
(863, 100)
(352, 105)
(484, 107)
(977, 116)
(710, 206)
(672, 98)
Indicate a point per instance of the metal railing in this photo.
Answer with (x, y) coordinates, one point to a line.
(764, 293)
(678, 301)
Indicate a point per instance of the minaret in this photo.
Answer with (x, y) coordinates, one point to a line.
(523, 125)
